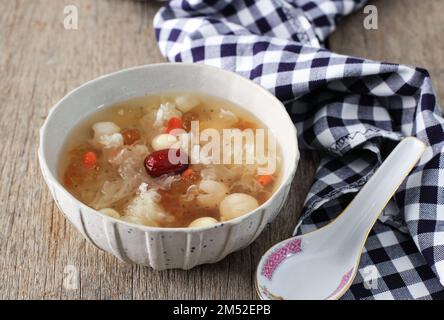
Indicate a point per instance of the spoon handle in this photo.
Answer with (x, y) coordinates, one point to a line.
(361, 214)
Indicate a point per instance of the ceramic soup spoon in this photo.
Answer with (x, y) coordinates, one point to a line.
(322, 264)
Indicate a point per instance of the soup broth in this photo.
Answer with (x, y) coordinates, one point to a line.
(119, 161)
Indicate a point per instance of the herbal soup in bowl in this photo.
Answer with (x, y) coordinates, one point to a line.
(169, 165)
(121, 161)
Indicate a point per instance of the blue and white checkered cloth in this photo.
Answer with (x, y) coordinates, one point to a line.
(352, 109)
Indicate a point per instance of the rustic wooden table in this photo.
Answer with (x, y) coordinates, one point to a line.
(40, 62)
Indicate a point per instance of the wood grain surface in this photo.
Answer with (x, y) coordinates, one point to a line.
(40, 62)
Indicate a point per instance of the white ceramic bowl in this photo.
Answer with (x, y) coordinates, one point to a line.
(165, 248)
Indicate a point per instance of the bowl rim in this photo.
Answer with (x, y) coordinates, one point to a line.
(50, 178)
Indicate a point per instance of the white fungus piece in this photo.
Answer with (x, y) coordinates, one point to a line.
(110, 212)
(191, 193)
(104, 128)
(112, 191)
(165, 112)
(203, 222)
(143, 187)
(165, 181)
(236, 205)
(145, 209)
(129, 155)
(107, 135)
(211, 193)
(163, 141)
(186, 103)
(114, 140)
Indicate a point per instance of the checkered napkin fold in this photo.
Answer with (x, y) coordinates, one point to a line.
(354, 110)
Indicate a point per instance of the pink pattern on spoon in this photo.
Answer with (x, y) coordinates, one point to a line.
(279, 255)
(341, 285)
